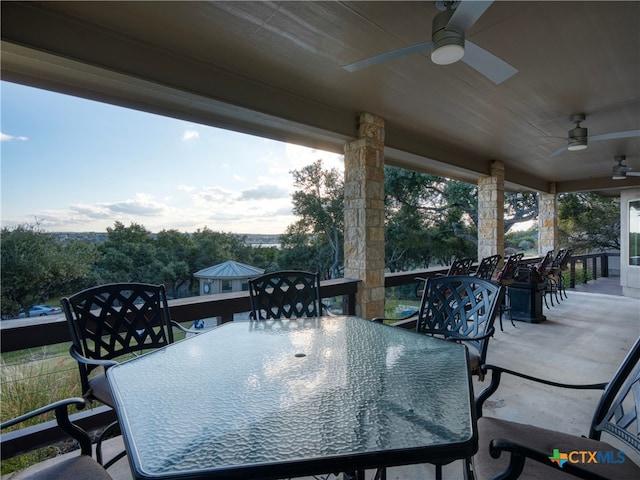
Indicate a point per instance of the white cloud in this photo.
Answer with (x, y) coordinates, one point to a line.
(214, 195)
(7, 138)
(264, 192)
(190, 135)
(141, 204)
(186, 188)
(298, 157)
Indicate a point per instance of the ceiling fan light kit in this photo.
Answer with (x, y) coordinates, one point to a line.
(578, 135)
(577, 139)
(448, 43)
(620, 171)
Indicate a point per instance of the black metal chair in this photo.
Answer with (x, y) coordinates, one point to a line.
(460, 266)
(76, 467)
(544, 270)
(514, 450)
(506, 277)
(112, 322)
(286, 294)
(487, 267)
(461, 308)
(555, 277)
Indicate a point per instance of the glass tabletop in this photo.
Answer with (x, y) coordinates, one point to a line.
(280, 398)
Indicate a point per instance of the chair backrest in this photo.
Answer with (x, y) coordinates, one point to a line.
(108, 321)
(544, 266)
(564, 261)
(557, 260)
(460, 307)
(460, 266)
(487, 266)
(508, 272)
(617, 412)
(288, 294)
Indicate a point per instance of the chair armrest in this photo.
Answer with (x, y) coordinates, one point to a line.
(90, 361)
(324, 310)
(464, 338)
(394, 319)
(62, 419)
(520, 453)
(184, 329)
(496, 374)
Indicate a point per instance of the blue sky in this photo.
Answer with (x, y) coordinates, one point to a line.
(74, 165)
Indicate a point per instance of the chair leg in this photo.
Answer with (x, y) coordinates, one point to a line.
(561, 287)
(115, 428)
(438, 472)
(506, 307)
(468, 469)
(544, 297)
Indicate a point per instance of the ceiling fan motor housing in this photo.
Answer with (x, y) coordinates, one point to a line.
(448, 42)
(577, 138)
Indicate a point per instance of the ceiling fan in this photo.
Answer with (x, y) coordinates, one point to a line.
(620, 171)
(448, 42)
(578, 139)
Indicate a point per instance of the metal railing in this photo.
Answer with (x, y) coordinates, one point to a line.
(42, 331)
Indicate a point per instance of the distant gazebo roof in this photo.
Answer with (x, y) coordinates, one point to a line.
(229, 269)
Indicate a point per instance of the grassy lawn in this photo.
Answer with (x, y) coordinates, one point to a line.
(30, 379)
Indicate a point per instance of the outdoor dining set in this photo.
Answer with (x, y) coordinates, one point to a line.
(299, 391)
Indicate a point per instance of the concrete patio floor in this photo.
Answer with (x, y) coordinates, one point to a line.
(583, 340)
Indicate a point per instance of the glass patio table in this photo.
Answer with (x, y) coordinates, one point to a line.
(285, 398)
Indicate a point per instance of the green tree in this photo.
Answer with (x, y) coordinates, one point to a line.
(588, 221)
(319, 204)
(175, 254)
(36, 267)
(427, 213)
(128, 255)
(428, 219)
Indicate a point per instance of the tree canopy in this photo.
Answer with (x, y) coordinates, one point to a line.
(314, 241)
(36, 266)
(429, 220)
(588, 222)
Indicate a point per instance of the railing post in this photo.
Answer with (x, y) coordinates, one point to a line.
(605, 264)
(595, 267)
(572, 277)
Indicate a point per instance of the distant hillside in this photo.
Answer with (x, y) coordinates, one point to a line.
(100, 237)
(257, 239)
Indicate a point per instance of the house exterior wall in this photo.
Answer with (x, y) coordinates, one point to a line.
(629, 274)
(216, 285)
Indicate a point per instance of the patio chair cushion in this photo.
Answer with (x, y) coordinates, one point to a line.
(100, 390)
(78, 467)
(544, 440)
(474, 362)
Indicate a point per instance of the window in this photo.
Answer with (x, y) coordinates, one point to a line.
(634, 232)
(227, 286)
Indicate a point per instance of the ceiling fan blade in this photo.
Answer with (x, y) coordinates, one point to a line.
(558, 151)
(633, 174)
(467, 13)
(492, 67)
(614, 135)
(383, 57)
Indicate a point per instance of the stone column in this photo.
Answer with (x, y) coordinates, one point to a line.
(364, 215)
(547, 220)
(491, 212)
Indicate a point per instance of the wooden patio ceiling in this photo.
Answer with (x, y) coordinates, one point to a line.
(275, 69)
